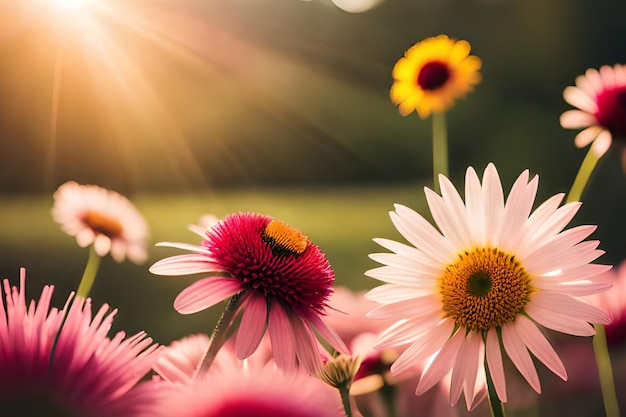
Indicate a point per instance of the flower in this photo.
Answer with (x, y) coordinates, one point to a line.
(487, 277)
(613, 302)
(600, 96)
(252, 392)
(432, 74)
(61, 363)
(101, 217)
(283, 280)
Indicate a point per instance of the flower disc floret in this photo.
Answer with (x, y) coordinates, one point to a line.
(484, 289)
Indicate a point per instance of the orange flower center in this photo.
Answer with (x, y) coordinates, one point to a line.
(284, 239)
(485, 288)
(102, 224)
(433, 75)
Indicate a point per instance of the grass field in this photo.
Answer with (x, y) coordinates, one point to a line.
(342, 221)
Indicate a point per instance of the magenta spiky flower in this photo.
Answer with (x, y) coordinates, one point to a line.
(61, 362)
(283, 279)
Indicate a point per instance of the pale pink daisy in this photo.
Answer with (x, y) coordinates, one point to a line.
(282, 278)
(250, 391)
(600, 96)
(489, 275)
(102, 218)
(61, 362)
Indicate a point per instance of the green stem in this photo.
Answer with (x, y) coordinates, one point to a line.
(497, 408)
(605, 372)
(345, 399)
(220, 333)
(440, 147)
(388, 393)
(584, 172)
(89, 275)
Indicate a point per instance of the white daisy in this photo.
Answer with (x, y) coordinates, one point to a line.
(488, 277)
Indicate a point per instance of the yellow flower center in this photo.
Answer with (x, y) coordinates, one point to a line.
(102, 224)
(485, 288)
(284, 239)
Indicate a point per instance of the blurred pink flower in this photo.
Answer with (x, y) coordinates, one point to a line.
(283, 279)
(60, 362)
(104, 218)
(251, 391)
(613, 302)
(600, 96)
(486, 277)
(180, 360)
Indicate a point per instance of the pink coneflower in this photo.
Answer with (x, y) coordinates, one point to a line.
(487, 277)
(600, 96)
(282, 280)
(250, 391)
(104, 218)
(61, 363)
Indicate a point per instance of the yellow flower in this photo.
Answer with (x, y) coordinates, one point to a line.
(432, 74)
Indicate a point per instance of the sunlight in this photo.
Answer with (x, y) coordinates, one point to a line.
(70, 4)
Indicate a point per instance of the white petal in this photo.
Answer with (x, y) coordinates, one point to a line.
(420, 350)
(602, 143)
(577, 98)
(493, 198)
(466, 367)
(586, 136)
(442, 363)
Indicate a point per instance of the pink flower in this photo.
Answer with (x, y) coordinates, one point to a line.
(283, 279)
(600, 96)
(486, 277)
(60, 362)
(250, 391)
(613, 302)
(104, 218)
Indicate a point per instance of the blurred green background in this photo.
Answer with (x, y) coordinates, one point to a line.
(281, 107)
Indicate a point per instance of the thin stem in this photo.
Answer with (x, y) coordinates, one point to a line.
(388, 394)
(584, 172)
(220, 333)
(89, 275)
(345, 399)
(440, 147)
(497, 408)
(605, 372)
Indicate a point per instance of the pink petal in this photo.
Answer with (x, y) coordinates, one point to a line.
(307, 350)
(586, 136)
(474, 206)
(406, 331)
(442, 363)
(466, 367)
(283, 344)
(419, 232)
(205, 293)
(252, 327)
(573, 307)
(602, 143)
(423, 306)
(517, 208)
(539, 345)
(560, 322)
(327, 333)
(577, 98)
(429, 343)
(494, 361)
(449, 216)
(185, 246)
(184, 265)
(577, 119)
(516, 349)
(493, 198)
